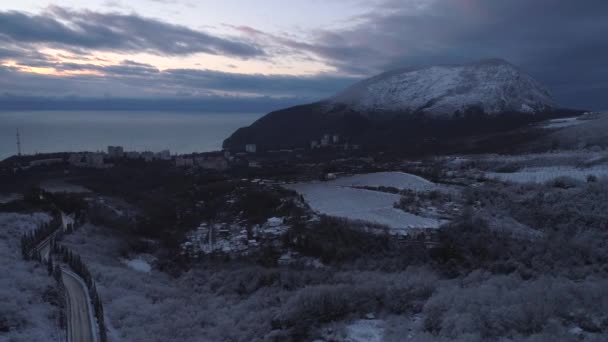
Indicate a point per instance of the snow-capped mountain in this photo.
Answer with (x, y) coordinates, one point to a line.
(493, 85)
(417, 109)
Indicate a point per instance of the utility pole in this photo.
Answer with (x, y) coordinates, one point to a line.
(18, 143)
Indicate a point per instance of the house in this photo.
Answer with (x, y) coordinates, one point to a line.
(94, 159)
(76, 159)
(148, 156)
(133, 155)
(254, 164)
(184, 162)
(325, 140)
(251, 148)
(164, 155)
(218, 163)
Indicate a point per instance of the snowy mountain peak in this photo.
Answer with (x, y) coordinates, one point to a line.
(494, 85)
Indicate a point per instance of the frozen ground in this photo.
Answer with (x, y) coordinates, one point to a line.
(564, 122)
(398, 180)
(365, 330)
(6, 198)
(24, 314)
(361, 205)
(545, 174)
(59, 186)
(558, 158)
(139, 265)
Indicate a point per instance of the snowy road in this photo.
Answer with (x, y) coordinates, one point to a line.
(45, 246)
(81, 324)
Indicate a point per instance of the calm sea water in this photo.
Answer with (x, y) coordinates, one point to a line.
(53, 131)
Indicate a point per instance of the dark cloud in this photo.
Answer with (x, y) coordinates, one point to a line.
(562, 43)
(132, 79)
(116, 32)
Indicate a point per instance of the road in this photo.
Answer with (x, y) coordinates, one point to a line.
(45, 246)
(81, 324)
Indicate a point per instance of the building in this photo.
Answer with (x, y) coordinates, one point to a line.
(148, 156)
(314, 144)
(335, 139)
(254, 164)
(218, 163)
(251, 148)
(325, 140)
(94, 159)
(116, 151)
(133, 155)
(164, 155)
(184, 162)
(76, 159)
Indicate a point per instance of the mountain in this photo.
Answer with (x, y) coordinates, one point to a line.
(493, 85)
(412, 109)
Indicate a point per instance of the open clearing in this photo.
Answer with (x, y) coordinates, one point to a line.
(375, 207)
(398, 180)
(545, 174)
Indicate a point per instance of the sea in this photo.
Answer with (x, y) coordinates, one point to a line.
(75, 131)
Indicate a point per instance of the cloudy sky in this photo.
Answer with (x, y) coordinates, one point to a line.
(280, 52)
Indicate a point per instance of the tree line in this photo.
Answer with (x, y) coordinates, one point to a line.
(53, 231)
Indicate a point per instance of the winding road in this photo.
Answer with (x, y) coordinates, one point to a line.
(81, 324)
(81, 321)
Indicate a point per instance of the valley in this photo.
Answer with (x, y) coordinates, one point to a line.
(337, 248)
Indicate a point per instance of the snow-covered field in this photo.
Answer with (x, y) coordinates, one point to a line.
(446, 89)
(545, 174)
(361, 205)
(365, 330)
(398, 180)
(23, 285)
(6, 198)
(58, 186)
(139, 265)
(561, 123)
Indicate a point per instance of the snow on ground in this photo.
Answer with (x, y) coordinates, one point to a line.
(139, 265)
(399, 180)
(564, 122)
(361, 205)
(23, 311)
(21, 223)
(365, 330)
(6, 198)
(59, 186)
(545, 174)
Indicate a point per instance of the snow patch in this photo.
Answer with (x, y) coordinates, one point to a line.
(365, 330)
(494, 85)
(398, 180)
(6, 198)
(361, 205)
(545, 174)
(561, 123)
(138, 265)
(59, 186)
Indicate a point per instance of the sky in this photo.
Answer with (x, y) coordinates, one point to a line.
(235, 54)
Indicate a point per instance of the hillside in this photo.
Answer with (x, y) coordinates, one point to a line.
(422, 109)
(493, 85)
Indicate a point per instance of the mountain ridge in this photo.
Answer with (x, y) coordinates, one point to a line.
(492, 84)
(435, 106)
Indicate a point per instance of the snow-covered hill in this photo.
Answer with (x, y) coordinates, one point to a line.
(494, 85)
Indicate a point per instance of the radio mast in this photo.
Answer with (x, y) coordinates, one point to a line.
(18, 143)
